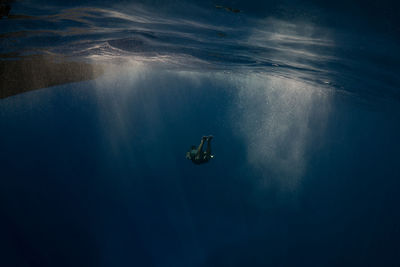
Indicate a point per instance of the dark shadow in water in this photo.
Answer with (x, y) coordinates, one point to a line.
(4, 8)
(234, 10)
(36, 72)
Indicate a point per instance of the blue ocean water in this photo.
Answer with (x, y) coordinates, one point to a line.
(302, 100)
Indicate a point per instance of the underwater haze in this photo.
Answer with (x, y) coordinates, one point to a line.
(101, 100)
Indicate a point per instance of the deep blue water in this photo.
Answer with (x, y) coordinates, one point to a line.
(302, 100)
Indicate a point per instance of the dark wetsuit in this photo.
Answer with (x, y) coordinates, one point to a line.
(197, 155)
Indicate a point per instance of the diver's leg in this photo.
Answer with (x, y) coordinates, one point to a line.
(208, 151)
(200, 148)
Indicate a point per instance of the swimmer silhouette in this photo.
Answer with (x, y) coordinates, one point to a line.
(197, 155)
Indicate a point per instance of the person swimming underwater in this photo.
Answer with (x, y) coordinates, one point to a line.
(197, 155)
